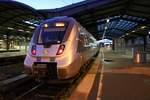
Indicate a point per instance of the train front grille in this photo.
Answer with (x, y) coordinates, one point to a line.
(45, 70)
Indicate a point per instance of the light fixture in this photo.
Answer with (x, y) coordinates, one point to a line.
(127, 33)
(123, 36)
(142, 27)
(59, 24)
(106, 27)
(31, 27)
(20, 30)
(4, 35)
(108, 20)
(10, 28)
(30, 23)
(28, 31)
(45, 25)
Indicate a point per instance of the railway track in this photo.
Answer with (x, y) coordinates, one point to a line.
(50, 91)
(13, 87)
(44, 91)
(31, 90)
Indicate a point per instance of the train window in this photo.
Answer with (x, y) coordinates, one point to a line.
(52, 33)
(90, 38)
(82, 41)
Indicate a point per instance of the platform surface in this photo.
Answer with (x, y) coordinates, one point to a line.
(12, 54)
(119, 78)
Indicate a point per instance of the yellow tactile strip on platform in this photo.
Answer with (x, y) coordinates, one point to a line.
(83, 89)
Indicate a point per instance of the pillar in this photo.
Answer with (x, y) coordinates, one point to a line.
(145, 42)
(26, 43)
(113, 45)
(7, 42)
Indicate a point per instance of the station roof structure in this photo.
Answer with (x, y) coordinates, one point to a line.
(125, 16)
(17, 19)
(117, 18)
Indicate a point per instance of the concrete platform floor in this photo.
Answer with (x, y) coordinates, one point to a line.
(12, 54)
(123, 79)
(117, 78)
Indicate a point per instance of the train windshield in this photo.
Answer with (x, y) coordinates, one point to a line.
(52, 34)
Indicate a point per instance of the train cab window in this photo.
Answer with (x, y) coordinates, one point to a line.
(51, 33)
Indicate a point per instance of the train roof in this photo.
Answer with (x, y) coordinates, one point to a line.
(60, 18)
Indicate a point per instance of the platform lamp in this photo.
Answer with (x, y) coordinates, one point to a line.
(149, 34)
(106, 27)
(107, 20)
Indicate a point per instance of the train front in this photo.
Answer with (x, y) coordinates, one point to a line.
(49, 54)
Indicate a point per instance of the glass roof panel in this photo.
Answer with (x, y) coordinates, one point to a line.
(119, 24)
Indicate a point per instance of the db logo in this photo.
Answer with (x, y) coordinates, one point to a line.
(46, 51)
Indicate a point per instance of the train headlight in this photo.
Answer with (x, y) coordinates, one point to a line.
(60, 24)
(33, 50)
(45, 25)
(60, 49)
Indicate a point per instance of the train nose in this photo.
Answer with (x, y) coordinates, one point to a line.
(51, 51)
(45, 51)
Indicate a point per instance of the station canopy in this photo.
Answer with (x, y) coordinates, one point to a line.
(17, 19)
(115, 18)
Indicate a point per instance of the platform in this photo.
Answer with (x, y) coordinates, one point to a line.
(118, 78)
(12, 54)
